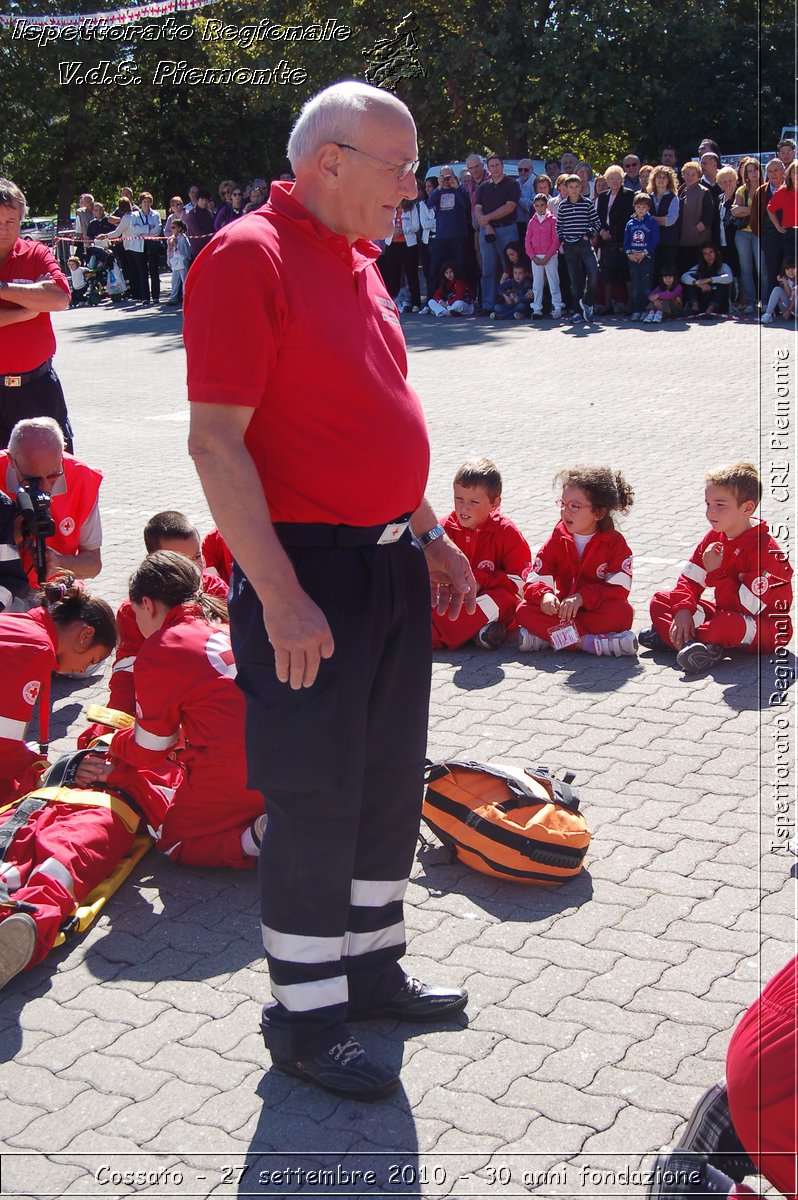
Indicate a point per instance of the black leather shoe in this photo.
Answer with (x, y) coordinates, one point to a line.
(417, 1001)
(344, 1069)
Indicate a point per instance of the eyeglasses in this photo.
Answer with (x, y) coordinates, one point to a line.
(573, 506)
(402, 169)
(524, 170)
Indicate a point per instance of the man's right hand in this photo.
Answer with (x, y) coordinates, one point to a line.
(300, 637)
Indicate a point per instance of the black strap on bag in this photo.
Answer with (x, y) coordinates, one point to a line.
(562, 793)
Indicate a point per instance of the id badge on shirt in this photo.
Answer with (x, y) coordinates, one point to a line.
(563, 636)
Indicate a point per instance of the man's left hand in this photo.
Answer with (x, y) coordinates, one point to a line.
(452, 583)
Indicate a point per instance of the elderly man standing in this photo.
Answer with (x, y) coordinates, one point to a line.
(36, 452)
(32, 285)
(313, 453)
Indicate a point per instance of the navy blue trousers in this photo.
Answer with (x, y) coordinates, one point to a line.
(340, 765)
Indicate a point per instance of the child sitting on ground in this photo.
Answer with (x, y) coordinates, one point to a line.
(165, 531)
(515, 296)
(497, 551)
(577, 594)
(748, 570)
(783, 296)
(665, 302)
(453, 295)
(190, 713)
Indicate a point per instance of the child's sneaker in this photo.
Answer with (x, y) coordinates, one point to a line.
(587, 309)
(767, 318)
(650, 640)
(425, 311)
(529, 642)
(519, 316)
(556, 314)
(657, 318)
(678, 1174)
(491, 636)
(699, 656)
(605, 645)
(635, 316)
(648, 318)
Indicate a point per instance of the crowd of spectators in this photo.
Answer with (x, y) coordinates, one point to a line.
(134, 244)
(708, 240)
(641, 241)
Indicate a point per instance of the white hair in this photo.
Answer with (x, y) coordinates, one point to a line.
(333, 114)
(40, 430)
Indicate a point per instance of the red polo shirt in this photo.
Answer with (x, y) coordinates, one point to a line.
(26, 346)
(784, 204)
(284, 316)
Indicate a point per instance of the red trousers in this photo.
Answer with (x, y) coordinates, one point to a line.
(493, 604)
(615, 616)
(57, 858)
(712, 624)
(762, 1081)
(198, 826)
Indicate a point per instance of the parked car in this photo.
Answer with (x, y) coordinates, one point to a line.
(38, 229)
(510, 167)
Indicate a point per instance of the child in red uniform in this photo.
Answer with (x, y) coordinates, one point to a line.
(746, 567)
(165, 531)
(61, 851)
(577, 595)
(188, 710)
(497, 551)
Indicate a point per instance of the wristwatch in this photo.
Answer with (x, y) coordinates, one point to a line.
(431, 535)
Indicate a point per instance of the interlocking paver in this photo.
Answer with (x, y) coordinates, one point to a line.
(599, 1011)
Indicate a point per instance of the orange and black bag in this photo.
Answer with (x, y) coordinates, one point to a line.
(524, 826)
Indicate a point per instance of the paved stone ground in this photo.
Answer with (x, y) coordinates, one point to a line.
(600, 1011)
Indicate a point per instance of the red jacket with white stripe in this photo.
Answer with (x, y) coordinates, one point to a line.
(497, 550)
(27, 651)
(188, 705)
(753, 578)
(122, 690)
(603, 572)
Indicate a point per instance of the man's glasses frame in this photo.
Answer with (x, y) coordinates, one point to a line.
(402, 169)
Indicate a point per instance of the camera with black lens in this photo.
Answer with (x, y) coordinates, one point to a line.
(33, 504)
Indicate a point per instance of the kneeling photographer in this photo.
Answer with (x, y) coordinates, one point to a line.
(57, 499)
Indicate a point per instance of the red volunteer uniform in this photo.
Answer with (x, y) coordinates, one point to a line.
(29, 387)
(500, 557)
(62, 851)
(343, 473)
(27, 650)
(74, 500)
(25, 346)
(339, 441)
(602, 577)
(762, 1081)
(217, 556)
(188, 707)
(122, 690)
(753, 593)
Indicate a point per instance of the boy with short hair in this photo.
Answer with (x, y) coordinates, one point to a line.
(640, 240)
(515, 296)
(499, 555)
(747, 568)
(78, 281)
(577, 225)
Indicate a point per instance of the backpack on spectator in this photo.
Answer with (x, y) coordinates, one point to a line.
(522, 826)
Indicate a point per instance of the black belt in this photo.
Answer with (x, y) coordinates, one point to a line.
(301, 534)
(15, 381)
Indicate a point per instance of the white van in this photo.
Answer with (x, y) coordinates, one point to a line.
(510, 167)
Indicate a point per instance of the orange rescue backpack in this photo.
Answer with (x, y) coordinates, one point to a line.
(524, 826)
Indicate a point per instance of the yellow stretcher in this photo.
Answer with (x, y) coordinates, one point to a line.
(87, 912)
(90, 908)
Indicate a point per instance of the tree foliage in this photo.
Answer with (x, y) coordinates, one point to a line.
(596, 76)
